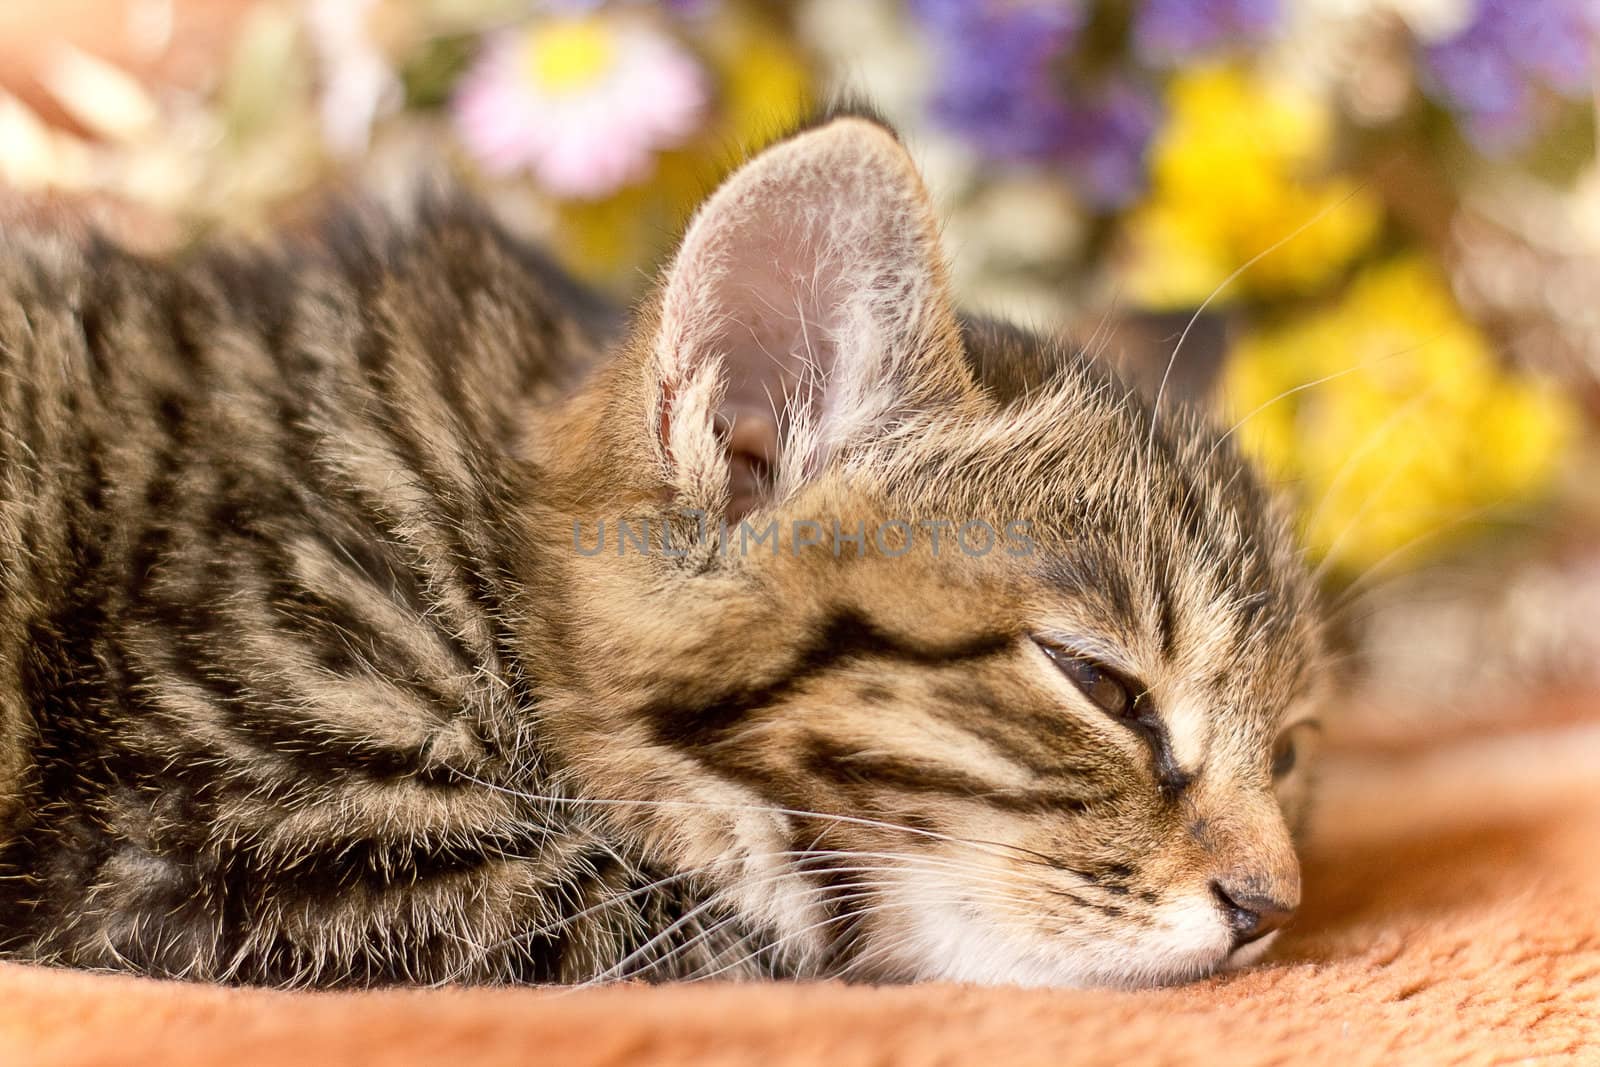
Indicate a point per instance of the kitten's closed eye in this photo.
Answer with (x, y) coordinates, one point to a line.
(1104, 687)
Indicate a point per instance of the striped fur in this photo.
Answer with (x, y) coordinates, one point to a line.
(303, 679)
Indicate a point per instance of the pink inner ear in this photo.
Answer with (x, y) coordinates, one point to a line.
(776, 338)
(769, 317)
(777, 334)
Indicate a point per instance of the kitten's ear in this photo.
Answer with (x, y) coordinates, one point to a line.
(805, 311)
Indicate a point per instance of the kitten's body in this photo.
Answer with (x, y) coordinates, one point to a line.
(260, 543)
(304, 679)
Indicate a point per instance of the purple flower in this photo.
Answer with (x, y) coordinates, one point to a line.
(1168, 31)
(1491, 71)
(1109, 134)
(1003, 88)
(998, 86)
(1554, 40)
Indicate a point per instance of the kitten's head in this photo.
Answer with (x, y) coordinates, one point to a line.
(992, 676)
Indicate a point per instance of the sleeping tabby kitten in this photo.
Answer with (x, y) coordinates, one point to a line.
(362, 621)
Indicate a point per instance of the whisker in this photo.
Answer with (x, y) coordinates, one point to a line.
(989, 889)
(714, 805)
(1348, 596)
(620, 968)
(1331, 558)
(1303, 386)
(1155, 408)
(1353, 460)
(833, 897)
(567, 920)
(848, 915)
(938, 863)
(979, 885)
(774, 946)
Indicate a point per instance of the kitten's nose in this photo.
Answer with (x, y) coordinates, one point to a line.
(1250, 916)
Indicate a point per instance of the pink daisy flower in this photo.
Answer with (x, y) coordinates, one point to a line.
(582, 103)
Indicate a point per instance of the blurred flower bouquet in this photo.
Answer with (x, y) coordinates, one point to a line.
(1388, 211)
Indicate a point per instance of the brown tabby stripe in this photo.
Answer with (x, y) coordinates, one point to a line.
(846, 636)
(829, 760)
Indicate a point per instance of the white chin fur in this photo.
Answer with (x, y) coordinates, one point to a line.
(949, 941)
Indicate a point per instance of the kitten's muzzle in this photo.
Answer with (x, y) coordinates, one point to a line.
(1250, 916)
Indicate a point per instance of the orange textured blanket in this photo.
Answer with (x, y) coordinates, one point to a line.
(1452, 917)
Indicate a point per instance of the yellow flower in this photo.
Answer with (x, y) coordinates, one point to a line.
(1413, 431)
(1232, 174)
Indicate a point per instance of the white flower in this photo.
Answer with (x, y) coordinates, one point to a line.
(582, 102)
